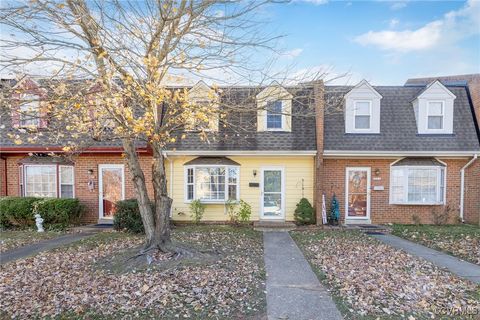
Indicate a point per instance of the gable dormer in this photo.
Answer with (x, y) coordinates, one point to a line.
(29, 109)
(202, 96)
(274, 109)
(434, 109)
(362, 109)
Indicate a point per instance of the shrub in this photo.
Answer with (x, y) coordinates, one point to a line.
(244, 212)
(230, 207)
(18, 212)
(304, 213)
(442, 215)
(197, 209)
(127, 217)
(416, 219)
(58, 214)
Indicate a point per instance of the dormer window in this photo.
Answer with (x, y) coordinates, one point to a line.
(274, 115)
(363, 114)
(204, 104)
(435, 113)
(274, 109)
(433, 109)
(362, 109)
(30, 111)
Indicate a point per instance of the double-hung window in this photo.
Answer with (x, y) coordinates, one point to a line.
(274, 115)
(48, 181)
(417, 185)
(215, 184)
(435, 113)
(29, 111)
(363, 114)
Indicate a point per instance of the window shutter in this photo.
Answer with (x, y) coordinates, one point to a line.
(261, 114)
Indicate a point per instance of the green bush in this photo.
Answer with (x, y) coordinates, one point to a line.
(304, 213)
(127, 217)
(244, 212)
(197, 209)
(18, 212)
(58, 214)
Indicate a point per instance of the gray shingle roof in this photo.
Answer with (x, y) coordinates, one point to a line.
(398, 129)
(212, 160)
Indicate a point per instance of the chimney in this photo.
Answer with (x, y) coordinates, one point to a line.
(319, 102)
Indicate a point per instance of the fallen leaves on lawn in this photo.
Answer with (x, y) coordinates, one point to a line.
(14, 239)
(376, 279)
(66, 280)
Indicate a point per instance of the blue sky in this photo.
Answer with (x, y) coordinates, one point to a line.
(385, 42)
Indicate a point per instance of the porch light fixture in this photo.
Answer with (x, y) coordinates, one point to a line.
(377, 172)
(254, 173)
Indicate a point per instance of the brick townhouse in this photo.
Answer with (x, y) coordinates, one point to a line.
(388, 154)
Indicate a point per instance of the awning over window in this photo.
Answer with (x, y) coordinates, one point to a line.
(423, 161)
(220, 161)
(44, 159)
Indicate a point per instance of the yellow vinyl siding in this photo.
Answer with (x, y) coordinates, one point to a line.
(295, 169)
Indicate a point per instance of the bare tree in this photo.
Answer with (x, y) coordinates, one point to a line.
(110, 63)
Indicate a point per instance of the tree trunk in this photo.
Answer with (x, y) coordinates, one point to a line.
(143, 200)
(163, 202)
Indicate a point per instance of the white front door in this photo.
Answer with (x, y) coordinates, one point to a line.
(273, 193)
(357, 194)
(111, 188)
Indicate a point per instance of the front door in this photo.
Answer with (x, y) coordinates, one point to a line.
(358, 193)
(111, 186)
(273, 197)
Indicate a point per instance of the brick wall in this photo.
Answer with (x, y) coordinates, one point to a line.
(82, 165)
(3, 177)
(471, 203)
(381, 211)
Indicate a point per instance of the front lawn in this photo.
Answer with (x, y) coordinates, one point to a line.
(18, 238)
(81, 281)
(371, 280)
(462, 241)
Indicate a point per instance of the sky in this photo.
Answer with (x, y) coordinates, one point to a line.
(384, 42)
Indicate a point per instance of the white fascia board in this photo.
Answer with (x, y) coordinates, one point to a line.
(395, 154)
(293, 153)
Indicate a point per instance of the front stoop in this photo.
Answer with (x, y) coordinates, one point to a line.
(276, 226)
(370, 228)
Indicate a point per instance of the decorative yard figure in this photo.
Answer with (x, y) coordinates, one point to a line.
(334, 211)
(39, 222)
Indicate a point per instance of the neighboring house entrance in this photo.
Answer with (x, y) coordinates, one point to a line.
(357, 195)
(272, 193)
(111, 186)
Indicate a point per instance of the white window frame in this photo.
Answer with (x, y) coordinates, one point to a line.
(442, 102)
(369, 115)
(59, 173)
(405, 185)
(194, 167)
(27, 101)
(24, 173)
(282, 115)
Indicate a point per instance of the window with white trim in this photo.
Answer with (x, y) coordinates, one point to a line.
(29, 111)
(435, 114)
(40, 181)
(363, 114)
(66, 182)
(49, 181)
(417, 185)
(274, 115)
(215, 184)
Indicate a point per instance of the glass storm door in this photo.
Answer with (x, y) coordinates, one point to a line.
(272, 200)
(111, 188)
(358, 193)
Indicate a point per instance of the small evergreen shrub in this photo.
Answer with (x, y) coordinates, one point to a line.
(57, 214)
(244, 212)
(127, 217)
(304, 213)
(197, 209)
(16, 212)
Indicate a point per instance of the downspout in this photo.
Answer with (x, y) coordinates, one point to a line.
(462, 184)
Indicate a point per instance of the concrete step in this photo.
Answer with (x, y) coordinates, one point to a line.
(370, 228)
(273, 225)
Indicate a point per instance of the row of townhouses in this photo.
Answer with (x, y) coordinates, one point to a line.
(389, 154)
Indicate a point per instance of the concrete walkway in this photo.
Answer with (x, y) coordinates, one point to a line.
(33, 249)
(293, 290)
(459, 267)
